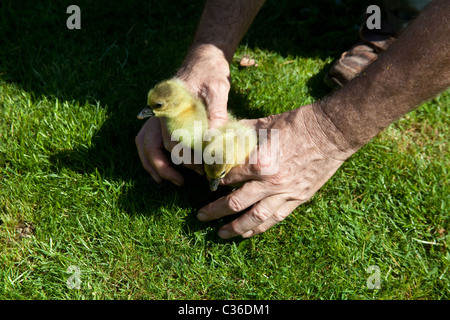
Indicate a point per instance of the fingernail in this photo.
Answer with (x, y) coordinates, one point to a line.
(248, 234)
(224, 234)
(177, 183)
(202, 216)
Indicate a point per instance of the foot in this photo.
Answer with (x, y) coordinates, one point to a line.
(360, 56)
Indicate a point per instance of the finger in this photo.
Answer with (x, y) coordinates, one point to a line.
(152, 154)
(245, 172)
(145, 163)
(235, 202)
(259, 214)
(249, 170)
(162, 165)
(217, 117)
(216, 102)
(239, 174)
(283, 211)
(166, 137)
(169, 144)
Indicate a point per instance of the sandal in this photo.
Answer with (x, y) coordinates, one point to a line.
(356, 60)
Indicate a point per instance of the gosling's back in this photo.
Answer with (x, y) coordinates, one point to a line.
(181, 109)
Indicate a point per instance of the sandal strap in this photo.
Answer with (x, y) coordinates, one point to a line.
(357, 58)
(380, 39)
(362, 54)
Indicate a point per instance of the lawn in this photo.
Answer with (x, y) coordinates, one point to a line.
(74, 195)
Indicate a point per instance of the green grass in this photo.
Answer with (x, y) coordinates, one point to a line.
(68, 164)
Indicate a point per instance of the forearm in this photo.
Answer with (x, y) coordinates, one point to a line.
(224, 23)
(414, 69)
(206, 68)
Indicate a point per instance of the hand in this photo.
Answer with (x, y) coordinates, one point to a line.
(150, 146)
(306, 160)
(206, 74)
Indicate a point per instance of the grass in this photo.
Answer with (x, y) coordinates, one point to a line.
(68, 165)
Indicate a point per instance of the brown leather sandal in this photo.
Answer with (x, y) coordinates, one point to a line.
(355, 60)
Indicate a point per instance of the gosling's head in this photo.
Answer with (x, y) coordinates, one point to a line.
(218, 162)
(230, 148)
(165, 99)
(215, 172)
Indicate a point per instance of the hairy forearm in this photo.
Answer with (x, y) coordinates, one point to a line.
(224, 23)
(414, 69)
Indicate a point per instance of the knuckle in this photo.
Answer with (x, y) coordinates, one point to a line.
(259, 215)
(218, 110)
(218, 117)
(303, 198)
(304, 192)
(216, 88)
(235, 227)
(277, 179)
(261, 228)
(235, 204)
(267, 165)
(278, 217)
(264, 159)
(223, 87)
(220, 84)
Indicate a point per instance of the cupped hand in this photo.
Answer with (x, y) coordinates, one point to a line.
(206, 74)
(298, 164)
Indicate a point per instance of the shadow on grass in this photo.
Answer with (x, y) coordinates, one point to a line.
(126, 47)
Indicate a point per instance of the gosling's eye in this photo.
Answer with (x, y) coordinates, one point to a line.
(157, 105)
(222, 174)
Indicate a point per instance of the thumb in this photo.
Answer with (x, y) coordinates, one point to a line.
(216, 102)
(217, 116)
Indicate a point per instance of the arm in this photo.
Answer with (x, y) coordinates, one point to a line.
(224, 23)
(206, 69)
(413, 69)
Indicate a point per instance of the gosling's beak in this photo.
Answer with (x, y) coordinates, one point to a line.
(214, 184)
(147, 112)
